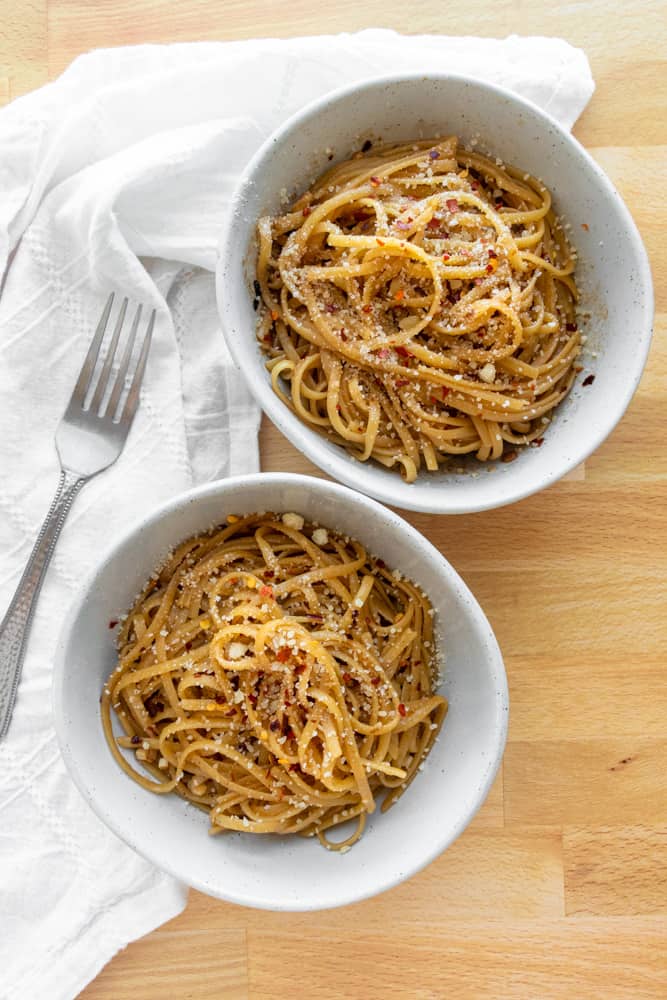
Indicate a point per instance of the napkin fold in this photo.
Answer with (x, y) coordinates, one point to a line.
(117, 177)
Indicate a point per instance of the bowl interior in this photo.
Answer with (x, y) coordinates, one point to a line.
(290, 872)
(613, 274)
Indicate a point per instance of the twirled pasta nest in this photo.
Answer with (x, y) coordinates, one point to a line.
(277, 676)
(419, 302)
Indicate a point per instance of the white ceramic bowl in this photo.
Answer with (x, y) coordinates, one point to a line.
(286, 873)
(613, 273)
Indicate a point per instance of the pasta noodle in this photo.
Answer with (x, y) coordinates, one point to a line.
(277, 676)
(418, 303)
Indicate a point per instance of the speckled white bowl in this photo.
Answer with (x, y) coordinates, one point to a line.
(286, 873)
(613, 273)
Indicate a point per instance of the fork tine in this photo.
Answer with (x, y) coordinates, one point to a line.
(83, 381)
(132, 400)
(108, 361)
(121, 374)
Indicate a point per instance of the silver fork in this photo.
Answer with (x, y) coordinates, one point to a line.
(89, 438)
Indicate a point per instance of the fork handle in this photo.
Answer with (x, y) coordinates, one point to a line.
(16, 623)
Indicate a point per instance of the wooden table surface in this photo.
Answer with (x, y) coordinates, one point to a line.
(559, 886)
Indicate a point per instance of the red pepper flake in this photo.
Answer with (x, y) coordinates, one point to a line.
(375, 181)
(433, 223)
(589, 380)
(380, 243)
(330, 308)
(445, 256)
(578, 368)
(367, 308)
(571, 327)
(252, 698)
(113, 623)
(268, 337)
(492, 253)
(274, 315)
(509, 456)
(584, 225)
(274, 725)
(490, 268)
(266, 591)
(475, 186)
(348, 678)
(452, 204)
(283, 654)
(307, 210)
(381, 563)
(299, 668)
(188, 646)
(402, 225)
(402, 710)
(268, 574)
(343, 335)
(384, 352)
(538, 442)
(434, 399)
(445, 391)
(375, 681)
(401, 382)
(477, 281)
(403, 351)
(400, 295)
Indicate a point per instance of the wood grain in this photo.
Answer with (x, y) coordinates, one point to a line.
(558, 887)
(23, 47)
(616, 872)
(142, 970)
(586, 782)
(584, 698)
(533, 960)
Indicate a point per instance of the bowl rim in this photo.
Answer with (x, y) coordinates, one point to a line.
(496, 668)
(307, 440)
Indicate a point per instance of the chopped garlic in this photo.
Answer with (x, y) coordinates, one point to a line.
(320, 536)
(236, 650)
(488, 372)
(293, 521)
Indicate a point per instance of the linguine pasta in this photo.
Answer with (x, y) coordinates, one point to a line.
(418, 303)
(278, 677)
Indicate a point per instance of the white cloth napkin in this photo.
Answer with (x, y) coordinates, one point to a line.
(117, 176)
